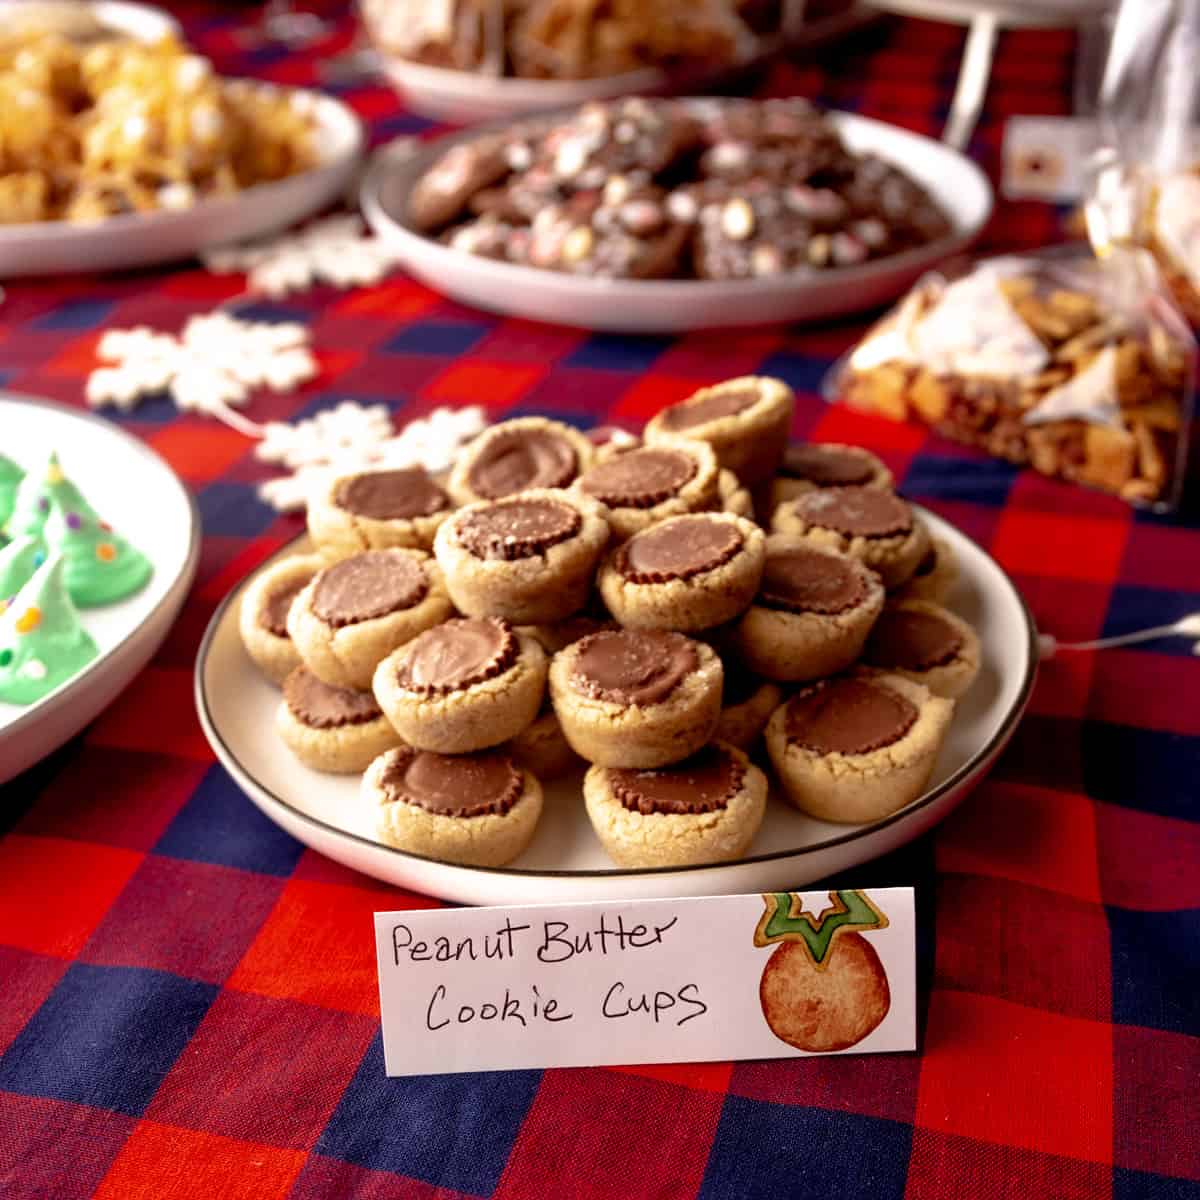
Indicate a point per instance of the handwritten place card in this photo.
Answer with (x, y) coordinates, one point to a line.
(647, 981)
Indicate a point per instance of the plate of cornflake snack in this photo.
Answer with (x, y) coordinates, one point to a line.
(124, 148)
(665, 215)
(98, 546)
(696, 662)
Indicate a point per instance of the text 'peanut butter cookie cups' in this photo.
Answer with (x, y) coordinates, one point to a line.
(705, 809)
(874, 525)
(859, 746)
(529, 558)
(331, 729)
(685, 573)
(746, 421)
(813, 612)
(376, 510)
(360, 609)
(464, 685)
(641, 486)
(479, 809)
(636, 697)
(809, 466)
(262, 619)
(926, 643)
(517, 455)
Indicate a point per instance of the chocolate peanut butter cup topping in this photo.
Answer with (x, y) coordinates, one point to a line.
(855, 511)
(912, 640)
(324, 707)
(391, 495)
(802, 580)
(679, 548)
(457, 654)
(632, 666)
(368, 585)
(640, 478)
(274, 614)
(826, 466)
(517, 527)
(515, 460)
(704, 783)
(453, 785)
(848, 716)
(713, 407)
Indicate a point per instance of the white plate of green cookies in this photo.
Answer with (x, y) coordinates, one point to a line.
(101, 544)
(565, 860)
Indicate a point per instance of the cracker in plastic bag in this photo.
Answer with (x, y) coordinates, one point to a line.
(1079, 368)
(1146, 182)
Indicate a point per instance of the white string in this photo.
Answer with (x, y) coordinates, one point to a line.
(1189, 626)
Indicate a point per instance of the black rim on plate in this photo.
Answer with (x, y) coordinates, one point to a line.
(233, 765)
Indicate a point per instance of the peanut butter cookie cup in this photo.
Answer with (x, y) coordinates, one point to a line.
(705, 809)
(686, 573)
(935, 576)
(529, 558)
(640, 487)
(375, 510)
(857, 747)
(517, 455)
(870, 523)
(636, 698)
(262, 619)
(464, 685)
(746, 421)
(808, 466)
(478, 809)
(358, 610)
(747, 703)
(331, 729)
(813, 612)
(926, 643)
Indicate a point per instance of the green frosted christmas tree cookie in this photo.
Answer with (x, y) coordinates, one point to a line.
(99, 565)
(42, 643)
(18, 561)
(37, 494)
(10, 476)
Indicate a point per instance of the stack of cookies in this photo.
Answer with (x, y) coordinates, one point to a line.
(559, 602)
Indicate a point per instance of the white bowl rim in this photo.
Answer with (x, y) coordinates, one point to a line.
(973, 763)
(63, 693)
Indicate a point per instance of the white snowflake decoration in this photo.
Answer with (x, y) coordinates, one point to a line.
(213, 365)
(351, 438)
(334, 251)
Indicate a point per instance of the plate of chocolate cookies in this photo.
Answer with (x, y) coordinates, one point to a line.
(700, 661)
(665, 215)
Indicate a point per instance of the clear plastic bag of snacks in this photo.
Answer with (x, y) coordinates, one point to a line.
(1080, 368)
(1146, 181)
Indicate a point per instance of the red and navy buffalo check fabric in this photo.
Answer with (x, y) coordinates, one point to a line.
(188, 1003)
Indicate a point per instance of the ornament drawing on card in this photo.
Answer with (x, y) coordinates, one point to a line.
(824, 988)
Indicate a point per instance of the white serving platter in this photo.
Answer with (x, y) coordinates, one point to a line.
(672, 306)
(143, 499)
(142, 239)
(565, 862)
(464, 97)
(1036, 14)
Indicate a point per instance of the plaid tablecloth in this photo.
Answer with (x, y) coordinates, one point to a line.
(188, 1004)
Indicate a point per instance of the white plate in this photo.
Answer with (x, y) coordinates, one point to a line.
(1036, 14)
(671, 306)
(464, 97)
(139, 239)
(565, 862)
(131, 487)
(139, 21)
